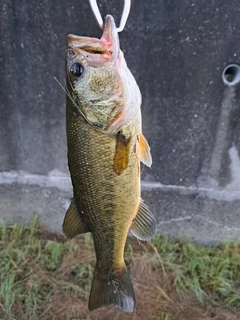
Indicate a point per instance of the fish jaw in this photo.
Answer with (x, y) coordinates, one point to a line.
(110, 37)
(97, 51)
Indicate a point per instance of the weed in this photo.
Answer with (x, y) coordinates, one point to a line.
(164, 317)
(40, 277)
(202, 270)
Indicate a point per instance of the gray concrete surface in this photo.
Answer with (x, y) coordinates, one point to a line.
(203, 215)
(177, 52)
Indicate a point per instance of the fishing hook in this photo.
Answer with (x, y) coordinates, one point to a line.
(97, 14)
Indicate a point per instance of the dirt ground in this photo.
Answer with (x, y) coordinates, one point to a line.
(156, 297)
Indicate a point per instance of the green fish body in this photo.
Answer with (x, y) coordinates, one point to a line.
(105, 147)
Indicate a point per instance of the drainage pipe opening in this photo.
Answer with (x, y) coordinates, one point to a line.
(231, 74)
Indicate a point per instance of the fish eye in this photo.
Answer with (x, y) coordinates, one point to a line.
(76, 69)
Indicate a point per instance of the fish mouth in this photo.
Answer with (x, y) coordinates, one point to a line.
(96, 51)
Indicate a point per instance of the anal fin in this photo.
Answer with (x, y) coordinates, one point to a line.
(72, 224)
(144, 224)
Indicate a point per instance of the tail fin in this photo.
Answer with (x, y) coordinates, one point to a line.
(114, 287)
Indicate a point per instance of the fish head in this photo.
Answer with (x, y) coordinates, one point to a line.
(98, 79)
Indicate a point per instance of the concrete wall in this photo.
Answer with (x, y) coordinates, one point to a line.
(177, 51)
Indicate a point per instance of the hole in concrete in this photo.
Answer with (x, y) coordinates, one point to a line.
(231, 74)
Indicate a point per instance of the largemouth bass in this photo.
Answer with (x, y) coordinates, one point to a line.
(105, 147)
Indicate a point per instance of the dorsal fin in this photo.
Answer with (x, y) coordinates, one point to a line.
(144, 151)
(144, 224)
(72, 224)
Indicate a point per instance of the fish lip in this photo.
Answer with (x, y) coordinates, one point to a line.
(97, 50)
(75, 41)
(110, 35)
(110, 29)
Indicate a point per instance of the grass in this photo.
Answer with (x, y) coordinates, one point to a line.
(164, 317)
(205, 271)
(43, 276)
(28, 267)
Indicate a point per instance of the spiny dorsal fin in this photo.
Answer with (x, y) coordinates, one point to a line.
(121, 156)
(72, 224)
(144, 224)
(144, 151)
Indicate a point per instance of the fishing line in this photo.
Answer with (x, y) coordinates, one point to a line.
(78, 109)
(98, 16)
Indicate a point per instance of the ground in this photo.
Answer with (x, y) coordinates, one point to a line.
(45, 276)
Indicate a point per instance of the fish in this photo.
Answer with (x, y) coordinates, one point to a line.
(105, 147)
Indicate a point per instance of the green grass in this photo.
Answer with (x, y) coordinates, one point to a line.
(27, 266)
(205, 271)
(164, 317)
(34, 270)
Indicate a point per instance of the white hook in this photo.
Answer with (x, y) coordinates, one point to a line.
(125, 13)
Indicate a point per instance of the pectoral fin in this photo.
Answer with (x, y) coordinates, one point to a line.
(144, 151)
(72, 224)
(122, 150)
(144, 224)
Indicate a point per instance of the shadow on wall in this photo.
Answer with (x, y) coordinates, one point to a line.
(212, 173)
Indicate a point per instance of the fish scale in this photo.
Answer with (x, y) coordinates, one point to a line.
(105, 147)
(107, 197)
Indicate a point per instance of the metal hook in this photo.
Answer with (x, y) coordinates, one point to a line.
(125, 13)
